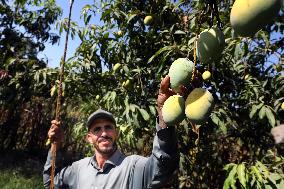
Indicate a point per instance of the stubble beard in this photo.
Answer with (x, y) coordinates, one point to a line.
(106, 150)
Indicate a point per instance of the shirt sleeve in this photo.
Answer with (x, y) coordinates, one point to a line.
(160, 166)
(63, 177)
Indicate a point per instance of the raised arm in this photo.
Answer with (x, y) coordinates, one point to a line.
(156, 170)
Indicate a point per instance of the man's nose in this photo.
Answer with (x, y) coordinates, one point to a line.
(104, 132)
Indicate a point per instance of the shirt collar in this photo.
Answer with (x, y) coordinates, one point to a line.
(115, 159)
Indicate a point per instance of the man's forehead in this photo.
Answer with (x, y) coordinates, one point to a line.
(101, 122)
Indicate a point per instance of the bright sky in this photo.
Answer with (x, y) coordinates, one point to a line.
(53, 53)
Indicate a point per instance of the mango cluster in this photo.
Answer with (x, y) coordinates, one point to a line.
(198, 104)
(247, 17)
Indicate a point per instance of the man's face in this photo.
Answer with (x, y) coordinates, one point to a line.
(103, 135)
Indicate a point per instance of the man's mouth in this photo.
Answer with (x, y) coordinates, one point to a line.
(105, 141)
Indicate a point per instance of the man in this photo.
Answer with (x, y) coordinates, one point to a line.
(109, 168)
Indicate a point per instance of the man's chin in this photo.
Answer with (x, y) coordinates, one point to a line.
(107, 149)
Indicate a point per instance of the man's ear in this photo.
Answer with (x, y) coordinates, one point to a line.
(88, 138)
(117, 130)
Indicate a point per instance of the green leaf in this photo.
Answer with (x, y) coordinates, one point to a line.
(270, 117)
(152, 110)
(10, 60)
(162, 62)
(231, 179)
(215, 119)
(144, 114)
(263, 169)
(133, 107)
(246, 48)
(254, 109)
(261, 113)
(229, 166)
(131, 18)
(281, 184)
(241, 170)
(166, 48)
(191, 41)
(87, 19)
(21, 2)
(265, 38)
(179, 32)
(256, 172)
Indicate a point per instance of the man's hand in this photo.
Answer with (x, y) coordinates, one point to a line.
(164, 92)
(55, 133)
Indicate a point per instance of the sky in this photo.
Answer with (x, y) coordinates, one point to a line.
(53, 53)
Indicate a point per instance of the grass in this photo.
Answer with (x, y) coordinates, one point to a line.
(18, 171)
(13, 179)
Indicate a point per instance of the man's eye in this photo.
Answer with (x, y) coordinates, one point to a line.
(108, 127)
(97, 129)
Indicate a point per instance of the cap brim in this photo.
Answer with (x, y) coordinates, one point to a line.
(100, 115)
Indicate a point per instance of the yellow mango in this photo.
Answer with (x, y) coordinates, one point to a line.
(210, 45)
(249, 16)
(198, 105)
(173, 110)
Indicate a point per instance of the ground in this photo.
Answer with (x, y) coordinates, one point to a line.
(19, 170)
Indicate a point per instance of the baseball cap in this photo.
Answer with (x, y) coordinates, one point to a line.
(100, 113)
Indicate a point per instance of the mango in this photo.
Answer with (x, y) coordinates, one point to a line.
(119, 33)
(180, 73)
(148, 20)
(210, 45)
(126, 83)
(98, 97)
(198, 105)
(173, 110)
(93, 27)
(249, 16)
(278, 68)
(206, 75)
(116, 67)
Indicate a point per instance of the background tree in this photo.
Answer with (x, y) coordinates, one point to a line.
(24, 28)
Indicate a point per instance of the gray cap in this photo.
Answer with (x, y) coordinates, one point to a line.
(100, 113)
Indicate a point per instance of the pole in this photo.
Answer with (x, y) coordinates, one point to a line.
(59, 97)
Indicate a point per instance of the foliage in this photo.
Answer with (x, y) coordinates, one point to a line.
(24, 28)
(20, 171)
(245, 110)
(258, 175)
(13, 179)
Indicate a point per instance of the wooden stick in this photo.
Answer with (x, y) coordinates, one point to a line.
(59, 98)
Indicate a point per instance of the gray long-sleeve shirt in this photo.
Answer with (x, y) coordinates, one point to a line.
(120, 171)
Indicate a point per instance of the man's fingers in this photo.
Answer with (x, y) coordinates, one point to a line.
(183, 91)
(171, 92)
(165, 84)
(54, 131)
(55, 122)
(51, 134)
